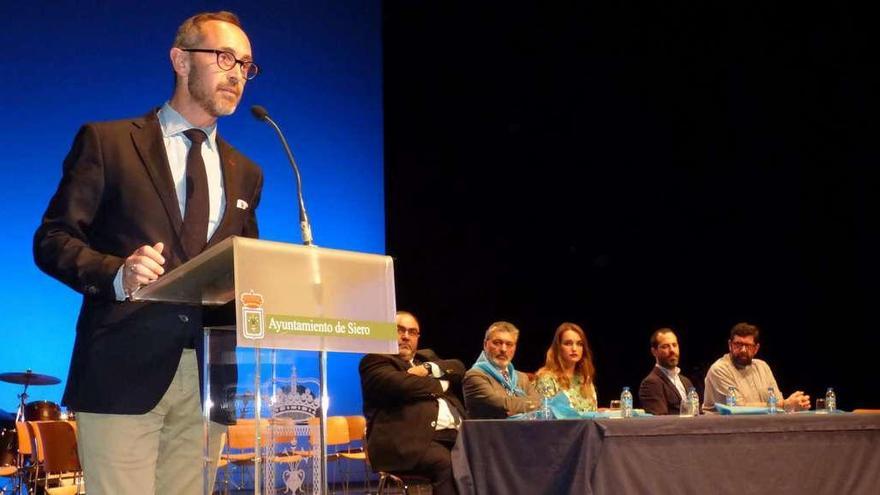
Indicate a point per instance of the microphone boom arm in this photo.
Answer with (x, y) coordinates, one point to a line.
(304, 224)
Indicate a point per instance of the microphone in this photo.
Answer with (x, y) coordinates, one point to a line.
(260, 113)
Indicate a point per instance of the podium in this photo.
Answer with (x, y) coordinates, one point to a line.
(273, 297)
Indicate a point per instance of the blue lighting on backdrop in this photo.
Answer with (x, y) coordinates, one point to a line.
(78, 61)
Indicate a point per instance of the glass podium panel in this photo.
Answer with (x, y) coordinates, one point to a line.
(267, 406)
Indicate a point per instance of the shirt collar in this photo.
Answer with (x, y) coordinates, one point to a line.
(173, 123)
(736, 366)
(670, 373)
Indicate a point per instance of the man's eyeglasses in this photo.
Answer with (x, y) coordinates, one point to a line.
(412, 332)
(226, 61)
(743, 345)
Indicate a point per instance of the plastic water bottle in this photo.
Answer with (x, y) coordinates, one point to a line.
(690, 405)
(694, 401)
(626, 403)
(771, 400)
(731, 396)
(830, 400)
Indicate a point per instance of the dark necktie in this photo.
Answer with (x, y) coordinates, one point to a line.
(194, 233)
(505, 375)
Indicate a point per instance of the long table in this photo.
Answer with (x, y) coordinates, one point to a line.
(801, 453)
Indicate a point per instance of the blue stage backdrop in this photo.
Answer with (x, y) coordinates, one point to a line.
(70, 62)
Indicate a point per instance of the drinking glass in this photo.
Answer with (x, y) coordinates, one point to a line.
(615, 405)
(820, 405)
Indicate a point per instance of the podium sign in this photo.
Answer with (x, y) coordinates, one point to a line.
(289, 296)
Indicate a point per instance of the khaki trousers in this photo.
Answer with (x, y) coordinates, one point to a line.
(160, 452)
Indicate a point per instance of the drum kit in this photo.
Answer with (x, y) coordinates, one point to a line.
(40, 410)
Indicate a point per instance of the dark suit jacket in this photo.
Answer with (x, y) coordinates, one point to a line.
(658, 395)
(401, 409)
(116, 194)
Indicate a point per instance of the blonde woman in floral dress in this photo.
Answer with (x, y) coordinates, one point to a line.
(569, 369)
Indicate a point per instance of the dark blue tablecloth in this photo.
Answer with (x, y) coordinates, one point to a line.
(783, 454)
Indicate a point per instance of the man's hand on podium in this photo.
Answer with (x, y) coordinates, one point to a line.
(143, 267)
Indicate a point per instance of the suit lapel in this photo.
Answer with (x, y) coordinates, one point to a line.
(147, 138)
(231, 185)
(670, 387)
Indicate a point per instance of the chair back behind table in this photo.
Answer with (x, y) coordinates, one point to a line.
(56, 446)
(337, 431)
(357, 428)
(25, 442)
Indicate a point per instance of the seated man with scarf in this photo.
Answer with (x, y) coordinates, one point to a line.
(493, 389)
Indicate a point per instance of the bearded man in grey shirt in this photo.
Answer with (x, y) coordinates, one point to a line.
(752, 377)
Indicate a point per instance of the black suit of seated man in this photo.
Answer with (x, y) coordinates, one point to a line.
(413, 406)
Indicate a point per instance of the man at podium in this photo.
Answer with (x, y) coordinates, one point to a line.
(139, 197)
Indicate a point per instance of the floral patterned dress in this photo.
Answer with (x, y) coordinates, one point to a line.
(548, 384)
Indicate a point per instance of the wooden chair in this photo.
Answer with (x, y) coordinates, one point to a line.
(337, 434)
(27, 462)
(55, 445)
(357, 429)
(239, 449)
(337, 437)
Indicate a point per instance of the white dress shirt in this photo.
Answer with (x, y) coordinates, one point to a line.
(445, 418)
(674, 377)
(176, 148)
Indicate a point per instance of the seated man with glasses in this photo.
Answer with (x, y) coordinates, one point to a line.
(493, 388)
(750, 377)
(413, 408)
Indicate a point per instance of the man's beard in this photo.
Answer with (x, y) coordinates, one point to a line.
(500, 361)
(742, 361)
(208, 98)
(669, 362)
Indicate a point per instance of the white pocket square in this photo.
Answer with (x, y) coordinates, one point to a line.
(241, 204)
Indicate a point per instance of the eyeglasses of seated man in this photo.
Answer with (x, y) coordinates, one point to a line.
(412, 331)
(743, 349)
(743, 345)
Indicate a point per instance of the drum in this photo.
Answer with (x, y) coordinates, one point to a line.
(42, 410)
(8, 446)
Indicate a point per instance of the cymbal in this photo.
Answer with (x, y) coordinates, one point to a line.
(29, 378)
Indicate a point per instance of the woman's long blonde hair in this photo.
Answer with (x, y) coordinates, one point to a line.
(584, 367)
